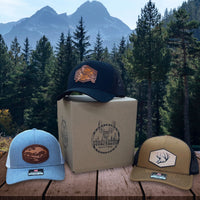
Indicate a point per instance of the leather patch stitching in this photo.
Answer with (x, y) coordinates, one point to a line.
(35, 154)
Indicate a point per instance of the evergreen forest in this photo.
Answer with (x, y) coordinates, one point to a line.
(159, 65)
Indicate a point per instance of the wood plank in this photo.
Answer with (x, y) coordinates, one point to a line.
(24, 190)
(2, 153)
(3, 169)
(74, 187)
(196, 183)
(157, 191)
(115, 184)
(27, 190)
(198, 154)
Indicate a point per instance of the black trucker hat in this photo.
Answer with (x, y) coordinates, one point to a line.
(98, 80)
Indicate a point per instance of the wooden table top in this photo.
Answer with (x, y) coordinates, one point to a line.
(103, 185)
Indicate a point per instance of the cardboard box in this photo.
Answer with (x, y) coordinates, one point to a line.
(94, 135)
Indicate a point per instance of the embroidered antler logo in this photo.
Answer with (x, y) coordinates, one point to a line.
(85, 74)
(162, 158)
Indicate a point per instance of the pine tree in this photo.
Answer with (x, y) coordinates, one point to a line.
(81, 41)
(174, 101)
(182, 42)
(26, 52)
(114, 54)
(42, 64)
(98, 48)
(150, 55)
(120, 61)
(27, 78)
(15, 51)
(17, 84)
(64, 64)
(158, 93)
(5, 70)
(41, 61)
(194, 106)
(70, 59)
(106, 55)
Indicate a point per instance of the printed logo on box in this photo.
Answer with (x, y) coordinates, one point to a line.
(105, 138)
(64, 133)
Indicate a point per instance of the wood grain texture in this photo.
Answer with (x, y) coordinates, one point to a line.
(115, 184)
(198, 154)
(3, 169)
(196, 181)
(74, 187)
(27, 190)
(2, 153)
(157, 191)
(112, 184)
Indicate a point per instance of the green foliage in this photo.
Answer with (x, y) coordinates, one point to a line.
(65, 61)
(151, 57)
(150, 64)
(5, 69)
(174, 101)
(98, 48)
(194, 106)
(192, 8)
(81, 41)
(42, 63)
(26, 52)
(4, 144)
(182, 44)
(6, 123)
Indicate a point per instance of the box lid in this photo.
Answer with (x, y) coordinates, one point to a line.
(85, 98)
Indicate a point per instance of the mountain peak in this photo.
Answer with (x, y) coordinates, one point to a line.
(93, 6)
(92, 9)
(47, 9)
(92, 12)
(47, 22)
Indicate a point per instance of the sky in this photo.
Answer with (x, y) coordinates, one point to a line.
(126, 10)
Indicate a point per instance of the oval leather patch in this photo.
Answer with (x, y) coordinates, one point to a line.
(35, 154)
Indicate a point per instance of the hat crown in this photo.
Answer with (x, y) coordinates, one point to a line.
(103, 74)
(38, 140)
(165, 153)
(98, 80)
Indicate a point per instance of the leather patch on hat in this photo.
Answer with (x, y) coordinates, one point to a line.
(162, 158)
(35, 154)
(85, 74)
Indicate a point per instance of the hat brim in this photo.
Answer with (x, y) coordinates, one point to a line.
(181, 181)
(98, 95)
(56, 172)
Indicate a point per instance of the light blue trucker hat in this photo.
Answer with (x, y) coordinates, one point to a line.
(34, 154)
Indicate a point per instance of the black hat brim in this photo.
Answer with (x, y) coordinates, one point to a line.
(98, 95)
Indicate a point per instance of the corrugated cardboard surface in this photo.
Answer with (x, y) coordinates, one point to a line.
(97, 135)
